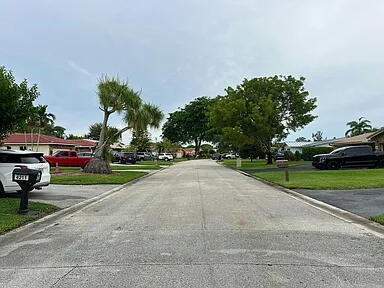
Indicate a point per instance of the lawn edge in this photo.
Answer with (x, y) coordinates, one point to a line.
(349, 217)
(50, 219)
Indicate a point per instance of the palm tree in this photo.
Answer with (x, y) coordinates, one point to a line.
(43, 118)
(358, 127)
(117, 96)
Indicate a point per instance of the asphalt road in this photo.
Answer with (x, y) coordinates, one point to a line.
(364, 202)
(195, 224)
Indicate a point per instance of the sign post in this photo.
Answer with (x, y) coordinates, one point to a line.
(283, 164)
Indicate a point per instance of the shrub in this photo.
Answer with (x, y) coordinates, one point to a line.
(297, 156)
(309, 152)
(288, 155)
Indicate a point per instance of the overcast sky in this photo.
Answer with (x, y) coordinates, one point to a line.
(178, 50)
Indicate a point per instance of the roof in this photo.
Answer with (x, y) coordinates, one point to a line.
(295, 144)
(21, 138)
(82, 143)
(377, 133)
(359, 139)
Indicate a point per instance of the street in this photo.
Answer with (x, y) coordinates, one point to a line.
(195, 224)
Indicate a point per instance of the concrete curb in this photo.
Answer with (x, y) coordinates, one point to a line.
(49, 220)
(344, 215)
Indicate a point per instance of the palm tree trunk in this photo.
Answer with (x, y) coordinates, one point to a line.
(99, 153)
(38, 140)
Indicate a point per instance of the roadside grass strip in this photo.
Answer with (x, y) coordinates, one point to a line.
(246, 164)
(329, 179)
(379, 219)
(114, 167)
(9, 219)
(92, 179)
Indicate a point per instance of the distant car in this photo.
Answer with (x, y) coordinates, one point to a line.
(229, 156)
(165, 156)
(11, 159)
(278, 156)
(144, 156)
(116, 157)
(86, 154)
(216, 157)
(128, 157)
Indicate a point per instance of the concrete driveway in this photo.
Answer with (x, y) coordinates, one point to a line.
(196, 224)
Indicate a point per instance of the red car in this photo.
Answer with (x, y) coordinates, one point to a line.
(67, 158)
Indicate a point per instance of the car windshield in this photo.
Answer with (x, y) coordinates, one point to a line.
(337, 151)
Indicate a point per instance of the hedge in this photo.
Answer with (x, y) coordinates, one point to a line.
(309, 152)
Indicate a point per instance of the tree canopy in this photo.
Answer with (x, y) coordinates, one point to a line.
(16, 102)
(358, 127)
(189, 124)
(262, 110)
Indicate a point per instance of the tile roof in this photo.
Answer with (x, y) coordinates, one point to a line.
(21, 138)
(359, 139)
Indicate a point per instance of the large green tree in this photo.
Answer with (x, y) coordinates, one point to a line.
(262, 110)
(358, 127)
(116, 96)
(16, 102)
(189, 124)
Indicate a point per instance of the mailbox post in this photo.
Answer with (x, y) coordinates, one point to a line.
(283, 164)
(26, 178)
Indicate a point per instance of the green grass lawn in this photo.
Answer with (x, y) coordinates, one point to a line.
(246, 164)
(9, 219)
(91, 179)
(120, 167)
(378, 219)
(328, 179)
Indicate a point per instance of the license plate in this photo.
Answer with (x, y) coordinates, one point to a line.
(22, 177)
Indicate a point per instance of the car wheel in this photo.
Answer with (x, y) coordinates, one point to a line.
(166, 159)
(2, 193)
(333, 165)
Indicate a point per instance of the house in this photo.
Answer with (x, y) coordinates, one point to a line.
(294, 146)
(184, 152)
(374, 139)
(46, 144)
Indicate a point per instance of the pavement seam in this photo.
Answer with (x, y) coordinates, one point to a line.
(349, 217)
(62, 277)
(70, 210)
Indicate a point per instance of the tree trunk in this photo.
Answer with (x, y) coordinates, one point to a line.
(38, 140)
(269, 157)
(99, 165)
(100, 149)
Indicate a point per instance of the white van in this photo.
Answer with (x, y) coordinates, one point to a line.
(11, 159)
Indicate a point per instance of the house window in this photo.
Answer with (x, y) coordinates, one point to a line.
(23, 148)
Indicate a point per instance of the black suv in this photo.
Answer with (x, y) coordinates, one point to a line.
(352, 156)
(128, 157)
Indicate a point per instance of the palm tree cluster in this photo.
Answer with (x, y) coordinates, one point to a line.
(358, 127)
(117, 96)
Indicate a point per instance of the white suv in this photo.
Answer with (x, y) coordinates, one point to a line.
(11, 159)
(165, 156)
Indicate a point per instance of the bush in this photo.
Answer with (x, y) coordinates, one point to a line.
(309, 152)
(297, 156)
(288, 155)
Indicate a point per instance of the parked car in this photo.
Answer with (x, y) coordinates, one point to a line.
(116, 156)
(128, 157)
(165, 156)
(216, 157)
(229, 156)
(352, 156)
(278, 156)
(144, 156)
(86, 154)
(11, 159)
(67, 158)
